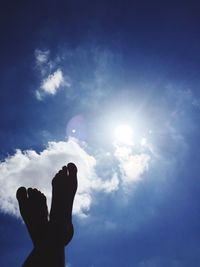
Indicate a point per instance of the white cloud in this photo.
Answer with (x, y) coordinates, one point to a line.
(32, 169)
(53, 82)
(51, 74)
(41, 56)
(132, 165)
(112, 184)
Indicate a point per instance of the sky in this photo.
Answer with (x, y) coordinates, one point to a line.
(112, 86)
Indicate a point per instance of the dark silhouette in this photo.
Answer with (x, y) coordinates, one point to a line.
(49, 233)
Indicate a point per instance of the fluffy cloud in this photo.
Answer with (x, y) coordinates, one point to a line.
(53, 82)
(32, 169)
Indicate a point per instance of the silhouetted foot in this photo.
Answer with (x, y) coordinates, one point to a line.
(64, 186)
(33, 209)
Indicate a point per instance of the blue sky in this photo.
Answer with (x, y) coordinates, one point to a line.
(73, 74)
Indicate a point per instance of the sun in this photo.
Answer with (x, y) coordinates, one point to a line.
(123, 134)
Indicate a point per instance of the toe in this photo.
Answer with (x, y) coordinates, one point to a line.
(64, 169)
(34, 195)
(21, 194)
(60, 174)
(31, 192)
(72, 168)
(22, 201)
(43, 196)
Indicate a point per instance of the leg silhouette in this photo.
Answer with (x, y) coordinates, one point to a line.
(64, 186)
(49, 237)
(33, 209)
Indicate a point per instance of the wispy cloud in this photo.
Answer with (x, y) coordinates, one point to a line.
(132, 165)
(41, 56)
(52, 76)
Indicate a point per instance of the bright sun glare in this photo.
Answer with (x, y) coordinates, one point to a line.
(123, 134)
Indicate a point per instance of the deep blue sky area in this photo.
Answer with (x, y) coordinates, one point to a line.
(72, 73)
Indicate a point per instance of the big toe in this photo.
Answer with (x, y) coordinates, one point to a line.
(72, 168)
(21, 194)
(23, 201)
